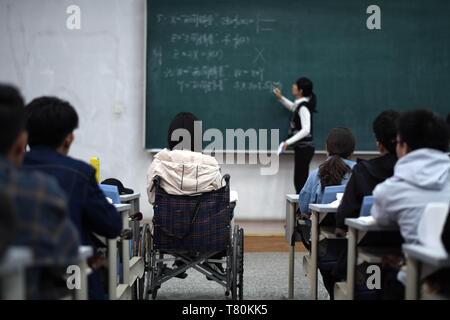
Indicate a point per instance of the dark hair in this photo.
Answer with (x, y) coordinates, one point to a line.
(385, 130)
(423, 128)
(448, 120)
(12, 116)
(307, 86)
(340, 144)
(49, 121)
(183, 120)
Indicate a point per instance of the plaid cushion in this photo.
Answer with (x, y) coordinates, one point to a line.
(210, 230)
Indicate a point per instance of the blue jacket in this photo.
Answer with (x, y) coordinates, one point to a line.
(312, 190)
(88, 208)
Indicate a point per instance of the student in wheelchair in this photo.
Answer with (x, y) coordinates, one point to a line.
(191, 202)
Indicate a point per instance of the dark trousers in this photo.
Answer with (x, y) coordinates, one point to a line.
(303, 156)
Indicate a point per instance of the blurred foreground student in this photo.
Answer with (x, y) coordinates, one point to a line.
(7, 222)
(421, 176)
(50, 124)
(39, 205)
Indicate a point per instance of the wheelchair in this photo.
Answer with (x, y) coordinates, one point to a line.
(192, 232)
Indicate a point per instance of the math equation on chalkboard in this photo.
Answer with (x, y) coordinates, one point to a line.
(211, 53)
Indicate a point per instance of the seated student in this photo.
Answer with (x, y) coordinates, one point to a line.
(366, 174)
(50, 125)
(336, 169)
(421, 175)
(182, 170)
(38, 202)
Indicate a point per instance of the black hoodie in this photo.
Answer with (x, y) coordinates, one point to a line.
(366, 174)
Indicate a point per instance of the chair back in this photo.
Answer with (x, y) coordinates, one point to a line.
(329, 194)
(366, 206)
(432, 223)
(111, 192)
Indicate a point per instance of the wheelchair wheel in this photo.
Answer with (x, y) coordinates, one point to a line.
(145, 254)
(237, 268)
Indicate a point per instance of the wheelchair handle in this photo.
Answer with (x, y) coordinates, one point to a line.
(126, 234)
(226, 177)
(137, 216)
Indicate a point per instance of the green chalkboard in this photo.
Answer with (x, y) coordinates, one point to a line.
(221, 59)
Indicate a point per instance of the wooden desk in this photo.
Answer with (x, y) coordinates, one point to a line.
(318, 213)
(417, 256)
(12, 273)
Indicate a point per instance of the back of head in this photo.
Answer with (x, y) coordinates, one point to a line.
(340, 145)
(12, 117)
(385, 129)
(423, 128)
(49, 121)
(181, 134)
(307, 86)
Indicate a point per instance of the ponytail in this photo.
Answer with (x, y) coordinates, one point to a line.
(332, 172)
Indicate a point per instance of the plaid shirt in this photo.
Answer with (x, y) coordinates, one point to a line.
(42, 225)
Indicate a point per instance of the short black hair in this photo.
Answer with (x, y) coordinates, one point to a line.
(423, 128)
(183, 120)
(49, 121)
(385, 129)
(12, 116)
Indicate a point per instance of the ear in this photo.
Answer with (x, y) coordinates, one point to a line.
(380, 147)
(17, 150)
(69, 140)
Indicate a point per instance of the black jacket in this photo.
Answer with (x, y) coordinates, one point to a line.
(366, 174)
(446, 234)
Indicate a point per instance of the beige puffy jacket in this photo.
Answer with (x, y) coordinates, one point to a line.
(183, 173)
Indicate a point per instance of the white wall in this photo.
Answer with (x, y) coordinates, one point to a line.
(100, 69)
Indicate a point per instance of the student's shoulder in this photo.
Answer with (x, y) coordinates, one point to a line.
(82, 167)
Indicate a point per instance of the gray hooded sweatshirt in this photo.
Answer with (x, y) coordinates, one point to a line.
(420, 177)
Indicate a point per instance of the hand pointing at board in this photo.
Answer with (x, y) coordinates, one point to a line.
(278, 93)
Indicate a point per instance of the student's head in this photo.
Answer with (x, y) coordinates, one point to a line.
(339, 145)
(419, 129)
(13, 137)
(340, 142)
(181, 134)
(303, 87)
(385, 130)
(51, 122)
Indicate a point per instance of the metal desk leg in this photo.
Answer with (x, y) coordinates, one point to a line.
(412, 279)
(314, 252)
(126, 252)
(82, 294)
(351, 262)
(291, 207)
(13, 286)
(112, 269)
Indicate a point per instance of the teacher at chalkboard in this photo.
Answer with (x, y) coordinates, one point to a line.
(300, 130)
